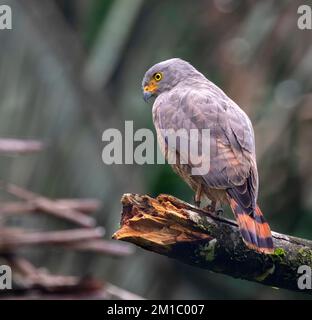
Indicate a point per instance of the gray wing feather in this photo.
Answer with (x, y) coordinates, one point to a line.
(232, 148)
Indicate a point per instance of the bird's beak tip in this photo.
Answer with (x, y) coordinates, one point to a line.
(147, 95)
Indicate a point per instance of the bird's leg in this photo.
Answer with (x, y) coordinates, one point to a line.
(219, 211)
(215, 208)
(197, 196)
(211, 208)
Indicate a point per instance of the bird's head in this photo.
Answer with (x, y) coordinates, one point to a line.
(165, 75)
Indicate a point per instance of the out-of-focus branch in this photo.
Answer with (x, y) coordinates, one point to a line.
(9, 146)
(34, 283)
(83, 205)
(170, 227)
(101, 246)
(86, 239)
(13, 238)
(86, 206)
(120, 293)
(50, 206)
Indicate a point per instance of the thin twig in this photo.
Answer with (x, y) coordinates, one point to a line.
(51, 206)
(86, 206)
(102, 246)
(12, 240)
(19, 146)
(121, 293)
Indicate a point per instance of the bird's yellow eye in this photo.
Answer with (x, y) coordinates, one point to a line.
(157, 76)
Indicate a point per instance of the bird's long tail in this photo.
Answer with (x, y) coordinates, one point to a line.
(254, 229)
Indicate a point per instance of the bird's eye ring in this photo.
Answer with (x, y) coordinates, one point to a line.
(157, 76)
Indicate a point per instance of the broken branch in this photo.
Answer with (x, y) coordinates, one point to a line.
(171, 227)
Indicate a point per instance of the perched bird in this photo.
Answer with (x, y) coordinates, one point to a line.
(186, 99)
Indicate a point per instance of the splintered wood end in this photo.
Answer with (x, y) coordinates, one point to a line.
(160, 223)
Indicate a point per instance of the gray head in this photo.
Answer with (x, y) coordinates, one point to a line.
(165, 75)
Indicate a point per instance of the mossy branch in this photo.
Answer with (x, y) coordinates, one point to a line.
(171, 227)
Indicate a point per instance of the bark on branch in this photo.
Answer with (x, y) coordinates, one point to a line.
(171, 227)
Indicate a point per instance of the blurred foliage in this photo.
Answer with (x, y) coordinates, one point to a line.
(72, 68)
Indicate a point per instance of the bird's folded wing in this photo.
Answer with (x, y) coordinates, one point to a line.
(232, 151)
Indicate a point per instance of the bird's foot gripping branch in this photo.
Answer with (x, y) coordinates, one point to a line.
(171, 227)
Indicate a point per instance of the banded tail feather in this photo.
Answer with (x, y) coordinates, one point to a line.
(255, 231)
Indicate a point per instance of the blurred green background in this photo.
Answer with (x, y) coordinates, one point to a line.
(70, 69)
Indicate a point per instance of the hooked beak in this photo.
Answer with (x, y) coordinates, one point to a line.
(147, 95)
(149, 90)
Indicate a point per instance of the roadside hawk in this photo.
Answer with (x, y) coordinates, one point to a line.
(186, 99)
